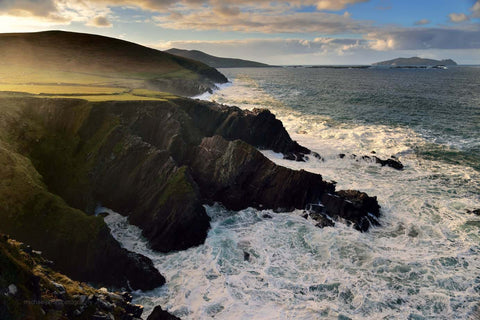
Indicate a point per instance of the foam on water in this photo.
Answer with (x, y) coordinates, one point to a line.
(421, 263)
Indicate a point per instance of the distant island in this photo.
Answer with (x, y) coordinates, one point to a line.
(415, 62)
(216, 62)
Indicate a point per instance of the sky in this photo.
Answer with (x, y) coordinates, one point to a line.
(277, 32)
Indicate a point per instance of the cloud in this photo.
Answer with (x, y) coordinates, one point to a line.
(323, 50)
(422, 22)
(308, 22)
(336, 4)
(458, 17)
(476, 10)
(28, 7)
(425, 38)
(100, 22)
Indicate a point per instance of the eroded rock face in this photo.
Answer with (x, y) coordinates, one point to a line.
(157, 162)
(237, 175)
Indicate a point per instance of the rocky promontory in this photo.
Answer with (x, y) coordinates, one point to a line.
(157, 162)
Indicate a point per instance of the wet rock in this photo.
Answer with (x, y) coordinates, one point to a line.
(267, 216)
(391, 162)
(295, 157)
(159, 314)
(246, 256)
(475, 211)
(134, 309)
(322, 220)
(354, 206)
(127, 296)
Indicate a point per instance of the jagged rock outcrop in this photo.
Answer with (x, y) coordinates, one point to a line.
(158, 161)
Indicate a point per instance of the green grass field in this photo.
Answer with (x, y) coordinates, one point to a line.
(59, 84)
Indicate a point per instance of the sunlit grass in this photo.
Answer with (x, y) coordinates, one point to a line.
(58, 84)
(111, 97)
(60, 89)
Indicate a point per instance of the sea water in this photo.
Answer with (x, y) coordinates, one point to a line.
(422, 263)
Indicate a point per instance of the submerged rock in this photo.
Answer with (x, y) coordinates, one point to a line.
(391, 162)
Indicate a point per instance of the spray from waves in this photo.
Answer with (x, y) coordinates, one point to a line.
(422, 263)
(207, 95)
(297, 271)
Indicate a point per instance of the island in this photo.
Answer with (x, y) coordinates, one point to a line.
(415, 62)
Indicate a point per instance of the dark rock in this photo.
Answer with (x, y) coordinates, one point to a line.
(295, 157)
(305, 216)
(159, 314)
(393, 163)
(475, 211)
(246, 256)
(354, 206)
(237, 175)
(127, 296)
(134, 309)
(341, 155)
(267, 216)
(323, 221)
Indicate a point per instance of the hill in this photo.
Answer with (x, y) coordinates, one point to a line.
(216, 62)
(67, 57)
(415, 61)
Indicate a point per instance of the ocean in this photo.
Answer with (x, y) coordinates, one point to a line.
(421, 263)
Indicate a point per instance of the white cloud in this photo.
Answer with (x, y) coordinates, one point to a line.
(458, 17)
(336, 4)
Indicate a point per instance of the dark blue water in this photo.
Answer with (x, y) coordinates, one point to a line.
(443, 106)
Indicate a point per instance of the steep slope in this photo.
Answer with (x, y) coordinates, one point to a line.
(216, 62)
(80, 245)
(68, 57)
(159, 161)
(30, 289)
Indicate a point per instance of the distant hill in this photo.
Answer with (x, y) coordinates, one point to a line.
(117, 61)
(415, 61)
(216, 62)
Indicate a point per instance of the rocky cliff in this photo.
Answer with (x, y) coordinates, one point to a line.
(159, 161)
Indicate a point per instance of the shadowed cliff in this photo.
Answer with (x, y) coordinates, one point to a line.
(158, 161)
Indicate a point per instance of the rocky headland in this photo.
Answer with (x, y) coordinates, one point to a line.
(157, 162)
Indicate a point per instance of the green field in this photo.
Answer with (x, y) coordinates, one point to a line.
(61, 84)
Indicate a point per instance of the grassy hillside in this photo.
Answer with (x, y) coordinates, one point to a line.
(216, 62)
(101, 63)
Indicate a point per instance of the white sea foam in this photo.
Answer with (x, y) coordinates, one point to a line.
(207, 95)
(421, 263)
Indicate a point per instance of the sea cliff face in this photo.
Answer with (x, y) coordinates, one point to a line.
(156, 162)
